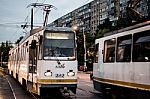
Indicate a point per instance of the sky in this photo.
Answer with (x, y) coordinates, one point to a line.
(14, 13)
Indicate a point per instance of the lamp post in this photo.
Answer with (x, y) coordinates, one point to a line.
(1, 58)
(75, 27)
(84, 42)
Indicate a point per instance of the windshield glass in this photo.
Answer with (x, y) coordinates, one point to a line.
(59, 45)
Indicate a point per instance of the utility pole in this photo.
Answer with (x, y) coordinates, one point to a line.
(84, 42)
(31, 19)
(148, 3)
(1, 59)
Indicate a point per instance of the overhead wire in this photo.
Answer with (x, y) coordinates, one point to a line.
(15, 24)
(11, 24)
(36, 1)
(38, 8)
(14, 35)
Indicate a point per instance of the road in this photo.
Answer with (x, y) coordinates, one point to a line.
(14, 91)
(85, 88)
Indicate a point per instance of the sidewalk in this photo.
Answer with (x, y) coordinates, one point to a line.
(87, 72)
(85, 83)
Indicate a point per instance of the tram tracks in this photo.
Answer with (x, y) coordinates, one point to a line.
(5, 87)
(16, 89)
(11, 88)
(34, 96)
(81, 91)
(12, 82)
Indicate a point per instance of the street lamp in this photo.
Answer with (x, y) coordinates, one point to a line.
(84, 42)
(75, 28)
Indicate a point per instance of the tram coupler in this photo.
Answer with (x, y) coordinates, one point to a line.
(66, 91)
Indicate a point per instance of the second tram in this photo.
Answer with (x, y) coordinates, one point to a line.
(122, 62)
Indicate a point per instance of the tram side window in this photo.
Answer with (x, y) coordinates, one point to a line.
(32, 60)
(123, 53)
(141, 47)
(109, 50)
(40, 51)
(96, 53)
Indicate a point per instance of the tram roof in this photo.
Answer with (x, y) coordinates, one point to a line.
(59, 28)
(36, 30)
(49, 28)
(128, 28)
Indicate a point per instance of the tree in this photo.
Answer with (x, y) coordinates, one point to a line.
(4, 51)
(80, 48)
(103, 28)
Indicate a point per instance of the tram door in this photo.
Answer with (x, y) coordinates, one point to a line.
(32, 66)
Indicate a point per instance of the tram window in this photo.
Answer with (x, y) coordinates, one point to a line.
(109, 50)
(32, 60)
(123, 53)
(39, 51)
(141, 47)
(96, 53)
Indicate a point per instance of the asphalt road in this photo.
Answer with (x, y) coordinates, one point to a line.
(10, 89)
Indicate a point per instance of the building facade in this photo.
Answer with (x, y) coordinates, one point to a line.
(89, 16)
(99, 12)
(81, 17)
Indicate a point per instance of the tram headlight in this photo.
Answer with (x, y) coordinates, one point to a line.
(70, 73)
(48, 73)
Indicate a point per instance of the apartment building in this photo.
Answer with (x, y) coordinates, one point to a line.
(89, 16)
(99, 12)
(118, 8)
(80, 17)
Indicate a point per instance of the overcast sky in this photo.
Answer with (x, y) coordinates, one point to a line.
(14, 13)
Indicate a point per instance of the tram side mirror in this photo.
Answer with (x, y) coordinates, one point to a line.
(33, 44)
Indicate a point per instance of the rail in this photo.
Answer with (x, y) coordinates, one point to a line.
(11, 88)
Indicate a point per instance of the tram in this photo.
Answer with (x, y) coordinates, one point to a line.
(122, 62)
(45, 59)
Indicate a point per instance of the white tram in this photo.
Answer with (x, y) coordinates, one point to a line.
(45, 58)
(122, 62)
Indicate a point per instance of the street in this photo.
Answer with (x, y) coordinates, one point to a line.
(85, 49)
(84, 88)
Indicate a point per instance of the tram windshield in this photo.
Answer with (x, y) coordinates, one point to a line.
(59, 45)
